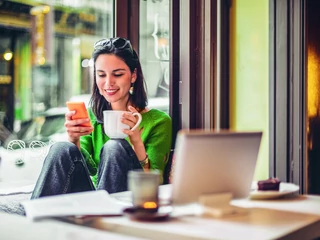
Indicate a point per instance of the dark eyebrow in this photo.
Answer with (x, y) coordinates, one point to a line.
(116, 70)
(119, 69)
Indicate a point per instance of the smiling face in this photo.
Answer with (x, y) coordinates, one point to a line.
(114, 78)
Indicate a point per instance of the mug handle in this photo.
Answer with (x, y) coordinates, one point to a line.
(139, 120)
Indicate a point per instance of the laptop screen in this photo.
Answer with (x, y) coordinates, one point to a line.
(208, 162)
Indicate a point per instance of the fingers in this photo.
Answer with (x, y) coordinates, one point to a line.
(129, 119)
(78, 127)
(79, 123)
(75, 133)
(133, 134)
(75, 122)
(137, 132)
(132, 109)
(68, 115)
(79, 131)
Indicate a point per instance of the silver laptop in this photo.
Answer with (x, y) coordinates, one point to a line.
(208, 162)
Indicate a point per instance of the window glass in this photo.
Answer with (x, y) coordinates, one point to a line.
(154, 50)
(45, 47)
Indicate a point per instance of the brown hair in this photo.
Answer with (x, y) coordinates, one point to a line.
(121, 48)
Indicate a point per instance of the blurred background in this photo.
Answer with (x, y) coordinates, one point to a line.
(45, 51)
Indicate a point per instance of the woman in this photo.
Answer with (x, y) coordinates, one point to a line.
(118, 85)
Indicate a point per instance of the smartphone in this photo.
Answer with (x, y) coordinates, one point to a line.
(81, 112)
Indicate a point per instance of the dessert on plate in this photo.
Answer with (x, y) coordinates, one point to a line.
(270, 184)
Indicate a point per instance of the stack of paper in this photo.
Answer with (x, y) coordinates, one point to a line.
(92, 203)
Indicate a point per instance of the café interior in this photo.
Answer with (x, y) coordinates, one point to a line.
(220, 65)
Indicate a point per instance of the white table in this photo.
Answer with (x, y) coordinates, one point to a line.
(294, 218)
(15, 227)
(273, 219)
(300, 204)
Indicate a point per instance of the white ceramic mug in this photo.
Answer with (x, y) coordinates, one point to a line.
(113, 126)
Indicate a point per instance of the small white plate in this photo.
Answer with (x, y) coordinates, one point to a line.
(284, 190)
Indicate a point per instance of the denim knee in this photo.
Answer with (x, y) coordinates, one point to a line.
(117, 148)
(116, 143)
(116, 158)
(60, 150)
(63, 171)
(62, 146)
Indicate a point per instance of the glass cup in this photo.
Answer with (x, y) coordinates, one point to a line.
(145, 188)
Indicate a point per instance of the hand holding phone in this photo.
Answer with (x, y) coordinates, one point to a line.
(81, 112)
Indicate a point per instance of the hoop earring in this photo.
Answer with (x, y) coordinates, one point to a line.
(131, 90)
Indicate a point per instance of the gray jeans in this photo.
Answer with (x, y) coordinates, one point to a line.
(65, 171)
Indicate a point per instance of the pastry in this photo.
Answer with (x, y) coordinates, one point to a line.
(271, 184)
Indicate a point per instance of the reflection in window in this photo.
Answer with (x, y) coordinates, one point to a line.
(47, 40)
(42, 47)
(154, 50)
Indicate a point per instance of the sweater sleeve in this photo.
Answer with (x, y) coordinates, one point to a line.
(158, 143)
(87, 148)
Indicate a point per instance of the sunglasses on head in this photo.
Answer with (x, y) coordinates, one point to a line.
(118, 43)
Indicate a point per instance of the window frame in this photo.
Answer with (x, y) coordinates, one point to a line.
(288, 92)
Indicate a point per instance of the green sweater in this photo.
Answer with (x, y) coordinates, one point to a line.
(156, 136)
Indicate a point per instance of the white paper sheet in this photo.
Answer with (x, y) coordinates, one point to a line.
(74, 204)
